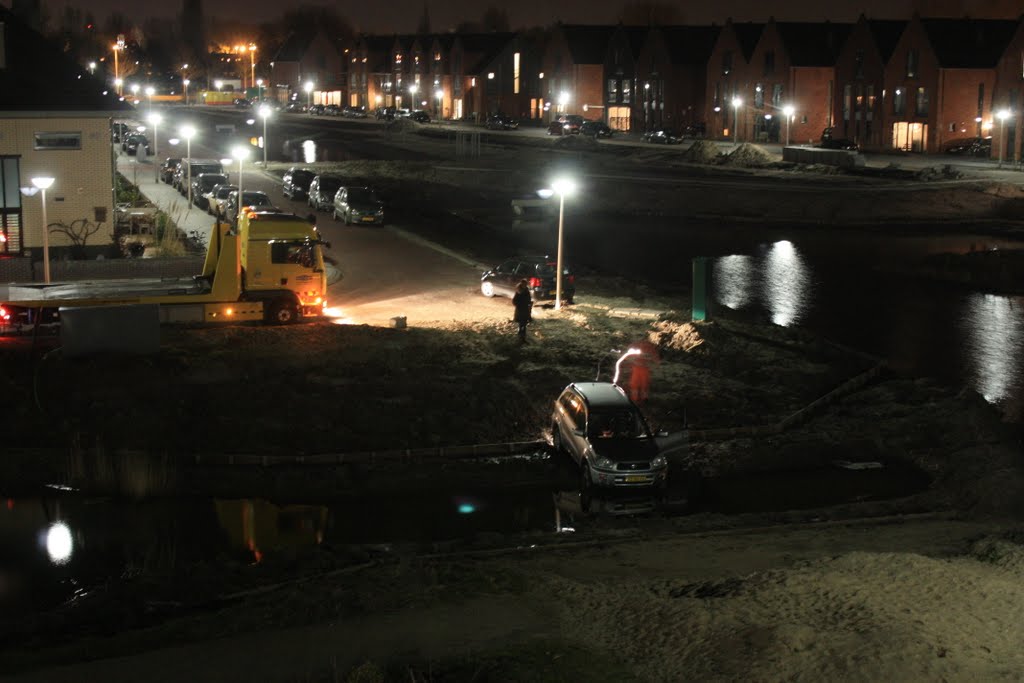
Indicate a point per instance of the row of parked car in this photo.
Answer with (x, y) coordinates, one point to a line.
(327, 192)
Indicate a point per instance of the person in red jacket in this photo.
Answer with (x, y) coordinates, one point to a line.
(640, 370)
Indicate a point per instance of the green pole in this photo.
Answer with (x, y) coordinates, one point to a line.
(700, 289)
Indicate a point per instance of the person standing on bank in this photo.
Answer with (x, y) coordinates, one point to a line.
(523, 303)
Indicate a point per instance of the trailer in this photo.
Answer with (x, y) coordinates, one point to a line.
(271, 268)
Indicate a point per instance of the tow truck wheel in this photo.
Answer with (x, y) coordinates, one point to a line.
(283, 313)
(487, 289)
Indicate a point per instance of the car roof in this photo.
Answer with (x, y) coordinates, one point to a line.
(602, 394)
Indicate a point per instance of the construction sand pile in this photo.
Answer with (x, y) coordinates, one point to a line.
(748, 155)
(702, 152)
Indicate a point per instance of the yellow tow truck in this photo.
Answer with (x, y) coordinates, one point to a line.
(271, 268)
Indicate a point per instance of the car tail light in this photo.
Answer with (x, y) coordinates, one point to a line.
(5, 315)
(535, 282)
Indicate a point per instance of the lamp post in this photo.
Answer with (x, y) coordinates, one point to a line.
(736, 102)
(439, 94)
(92, 68)
(43, 183)
(1003, 115)
(265, 112)
(218, 84)
(185, 82)
(154, 120)
(135, 91)
(308, 87)
(412, 94)
(118, 46)
(149, 94)
(788, 110)
(252, 64)
(563, 187)
(239, 153)
(259, 92)
(117, 85)
(187, 132)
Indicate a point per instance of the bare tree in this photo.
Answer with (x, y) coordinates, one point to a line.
(79, 232)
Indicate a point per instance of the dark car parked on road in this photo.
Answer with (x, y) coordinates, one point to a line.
(662, 136)
(829, 141)
(332, 110)
(501, 122)
(132, 143)
(358, 205)
(539, 273)
(322, 190)
(969, 147)
(242, 103)
(316, 110)
(568, 124)
(167, 169)
(203, 184)
(419, 116)
(596, 129)
(385, 113)
(354, 112)
(295, 183)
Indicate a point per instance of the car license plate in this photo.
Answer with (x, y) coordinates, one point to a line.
(368, 219)
(634, 478)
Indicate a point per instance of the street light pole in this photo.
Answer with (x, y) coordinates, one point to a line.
(43, 183)
(149, 94)
(185, 83)
(187, 132)
(265, 113)
(252, 61)
(1003, 115)
(562, 186)
(440, 95)
(788, 110)
(239, 153)
(308, 87)
(736, 102)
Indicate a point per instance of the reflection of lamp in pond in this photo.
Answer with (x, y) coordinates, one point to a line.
(995, 338)
(785, 283)
(59, 544)
(618, 364)
(733, 279)
(308, 151)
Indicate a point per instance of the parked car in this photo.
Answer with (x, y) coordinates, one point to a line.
(358, 205)
(242, 103)
(501, 122)
(600, 428)
(219, 198)
(420, 116)
(322, 190)
(188, 169)
(402, 113)
(572, 123)
(332, 110)
(295, 183)
(167, 169)
(596, 129)
(662, 136)
(970, 147)
(695, 130)
(354, 112)
(385, 113)
(294, 108)
(829, 141)
(119, 131)
(253, 198)
(556, 128)
(316, 110)
(203, 184)
(132, 143)
(539, 273)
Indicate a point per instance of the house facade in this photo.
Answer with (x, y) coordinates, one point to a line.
(315, 60)
(728, 79)
(574, 70)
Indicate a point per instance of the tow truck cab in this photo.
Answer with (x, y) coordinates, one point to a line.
(282, 265)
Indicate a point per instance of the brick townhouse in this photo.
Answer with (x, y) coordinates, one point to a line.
(672, 74)
(728, 77)
(1007, 96)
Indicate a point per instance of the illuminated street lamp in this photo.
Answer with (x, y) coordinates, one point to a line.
(218, 84)
(439, 94)
(149, 94)
(562, 187)
(308, 87)
(118, 46)
(135, 92)
(736, 102)
(788, 110)
(265, 112)
(259, 92)
(42, 184)
(185, 82)
(117, 86)
(252, 62)
(187, 132)
(1002, 116)
(240, 153)
(92, 68)
(412, 94)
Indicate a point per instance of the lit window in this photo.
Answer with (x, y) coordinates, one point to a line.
(490, 75)
(515, 73)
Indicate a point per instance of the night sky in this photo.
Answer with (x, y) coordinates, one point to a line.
(401, 16)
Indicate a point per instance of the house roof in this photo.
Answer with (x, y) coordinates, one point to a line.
(813, 43)
(587, 44)
(293, 48)
(43, 78)
(481, 49)
(969, 43)
(747, 35)
(690, 45)
(886, 34)
(636, 36)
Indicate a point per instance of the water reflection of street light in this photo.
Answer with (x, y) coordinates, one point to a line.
(265, 113)
(736, 102)
(240, 153)
(42, 184)
(563, 187)
(308, 87)
(788, 110)
(1002, 116)
(187, 132)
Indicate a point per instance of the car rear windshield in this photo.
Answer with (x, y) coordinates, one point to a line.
(550, 269)
(362, 196)
(206, 168)
(208, 181)
(255, 199)
(223, 192)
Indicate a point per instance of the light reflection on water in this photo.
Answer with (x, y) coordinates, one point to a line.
(993, 328)
(779, 281)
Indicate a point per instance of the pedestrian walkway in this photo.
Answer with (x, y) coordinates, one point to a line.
(143, 174)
